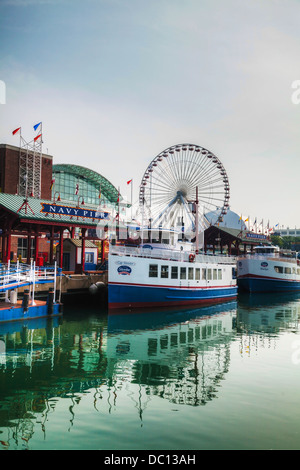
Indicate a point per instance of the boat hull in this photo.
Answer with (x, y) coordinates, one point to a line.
(17, 312)
(126, 296)
(259, 284)
(268, 275)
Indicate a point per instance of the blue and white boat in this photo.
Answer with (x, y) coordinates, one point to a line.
(269, 269)
(166, 275)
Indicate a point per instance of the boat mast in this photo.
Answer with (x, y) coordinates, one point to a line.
(197, 222)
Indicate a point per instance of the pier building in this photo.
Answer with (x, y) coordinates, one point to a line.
(41, 204)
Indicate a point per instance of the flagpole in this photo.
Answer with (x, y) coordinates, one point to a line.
(131, 198)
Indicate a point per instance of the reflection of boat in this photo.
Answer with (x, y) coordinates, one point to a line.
(268, 313)
(269, 270)
(148, 276)
(124, 321)
(180, 356)
(155, 335)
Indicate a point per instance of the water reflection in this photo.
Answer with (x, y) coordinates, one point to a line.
(180, 356)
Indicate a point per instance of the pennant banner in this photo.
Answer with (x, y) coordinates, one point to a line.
(15, 131)
(37, 137)
(36, 126)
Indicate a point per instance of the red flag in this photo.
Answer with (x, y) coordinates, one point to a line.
(52, 183)
(77, 189)
(37, 137)
(15, 131)
(128, 182)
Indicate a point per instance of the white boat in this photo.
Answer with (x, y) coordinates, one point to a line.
(269, 269)
(158, 274)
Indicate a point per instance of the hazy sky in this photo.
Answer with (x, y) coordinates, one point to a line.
(115, 82)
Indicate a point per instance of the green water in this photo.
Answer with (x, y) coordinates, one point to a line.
(224, 377)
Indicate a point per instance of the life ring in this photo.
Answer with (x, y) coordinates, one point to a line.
(191, 258)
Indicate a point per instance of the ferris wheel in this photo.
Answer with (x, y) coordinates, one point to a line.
(168, 187)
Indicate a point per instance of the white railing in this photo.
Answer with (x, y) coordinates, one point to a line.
(168, 254)
(13, 276)
(268, 257)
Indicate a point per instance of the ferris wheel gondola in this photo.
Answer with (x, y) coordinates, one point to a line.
(168, 187)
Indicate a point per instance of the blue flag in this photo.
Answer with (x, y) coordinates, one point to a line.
(36, 126)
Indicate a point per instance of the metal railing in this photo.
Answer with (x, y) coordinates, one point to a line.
(171, 255)
(14, 276)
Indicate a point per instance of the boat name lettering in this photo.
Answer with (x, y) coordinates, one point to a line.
(264, 264)
(73, 211)
(128, 263)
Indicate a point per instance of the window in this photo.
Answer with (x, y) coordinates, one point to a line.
(174, 272)
(219, 274)
(164, 272)
(209, 274)
(22, 247)
(153, 270)
(89, 257)
(298, 271)
(191, 273)
(197, 274)
(182, 273)
(287, 270)
(215, 274)
(203, 273)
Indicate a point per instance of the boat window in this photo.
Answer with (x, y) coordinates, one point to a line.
(174, 272)
(215, 274)
(153, 270)
(219, 273)
(288, 270)
(197, 274)
(203, 273)
(209, 274)
(164, 271)
(191, 273)
(182, 273)
(298, 271)
(278, 269)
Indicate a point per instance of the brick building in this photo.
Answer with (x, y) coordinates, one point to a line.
(10, 168)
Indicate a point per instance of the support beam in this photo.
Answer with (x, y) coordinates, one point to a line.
(83, 250)
(61, 247)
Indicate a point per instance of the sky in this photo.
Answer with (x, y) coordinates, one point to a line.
(115, 82)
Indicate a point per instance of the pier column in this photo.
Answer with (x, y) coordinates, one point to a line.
(36, 251)
(28, 246)
(61, 247)
(51, 244)
(82, 249)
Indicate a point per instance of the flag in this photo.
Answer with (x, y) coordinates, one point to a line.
(36, 126)
(246, 219)
(15, 131)
(99, 193)
(128, 182)
(77, 189)
(52, 183)
(37, 137)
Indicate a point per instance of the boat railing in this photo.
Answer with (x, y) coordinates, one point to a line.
(267, 257)
(171, 255)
